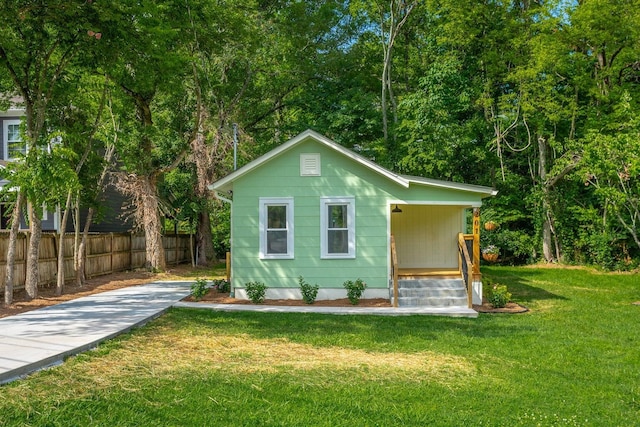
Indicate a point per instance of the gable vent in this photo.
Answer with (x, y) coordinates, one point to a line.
(310, 164)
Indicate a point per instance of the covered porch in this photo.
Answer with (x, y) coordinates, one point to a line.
(435, 246)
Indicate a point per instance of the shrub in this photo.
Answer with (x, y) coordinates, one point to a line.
(199, 289)
(309, 292)
(222, 285)
(256, 291)
(499, 296)
(354, 290)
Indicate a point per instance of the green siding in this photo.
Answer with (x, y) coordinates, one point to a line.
(341, 176)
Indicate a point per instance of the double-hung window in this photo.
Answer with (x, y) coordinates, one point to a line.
(338, 227)
(14, 146)
(276, 227)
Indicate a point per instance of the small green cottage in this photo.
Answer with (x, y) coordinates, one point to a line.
(315, 209)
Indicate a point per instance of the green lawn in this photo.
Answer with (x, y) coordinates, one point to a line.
(574, 359)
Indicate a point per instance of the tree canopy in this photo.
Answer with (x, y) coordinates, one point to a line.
(538, 99)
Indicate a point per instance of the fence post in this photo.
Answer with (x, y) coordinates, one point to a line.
(25, 245)
(111, 251)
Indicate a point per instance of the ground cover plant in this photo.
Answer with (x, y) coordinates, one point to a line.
(571, 360)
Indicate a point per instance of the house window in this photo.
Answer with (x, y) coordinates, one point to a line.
(337, 219)
(13, 144)
(276, 228)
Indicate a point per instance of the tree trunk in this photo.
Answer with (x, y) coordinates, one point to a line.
(76, 241)
(204, 159)
(204, 239)
(33, 276)
(81, 257)
(547, 244)
(152, 224)
(63, 229)
(383, 97)
(11, 250)
(400, 11)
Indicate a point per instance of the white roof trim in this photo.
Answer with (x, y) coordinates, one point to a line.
(451, 185)
(226, 183)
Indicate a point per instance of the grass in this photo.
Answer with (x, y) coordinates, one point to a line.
(573, 360)
(182, 272)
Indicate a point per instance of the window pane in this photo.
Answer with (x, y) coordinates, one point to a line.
(13, 133)
(14, 145)
(337, 216)
(277, 217)
(276, 242)
(338, 241)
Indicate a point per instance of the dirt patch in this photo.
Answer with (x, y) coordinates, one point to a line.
(213, 296)
(636, 303)
(47, 297)
(511, 307)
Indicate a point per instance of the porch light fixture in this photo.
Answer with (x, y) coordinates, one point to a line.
(396, 209)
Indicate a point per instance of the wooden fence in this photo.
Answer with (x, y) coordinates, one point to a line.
(106, 253)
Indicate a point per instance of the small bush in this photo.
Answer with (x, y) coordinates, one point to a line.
(256, 291)
(499, 296)
(222, 285)
(354, 290)
(309, 292)
(199, 289)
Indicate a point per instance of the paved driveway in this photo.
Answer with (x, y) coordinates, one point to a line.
(39, 338)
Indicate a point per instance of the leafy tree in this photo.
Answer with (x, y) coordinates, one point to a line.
(39, 40)
(612, 168)
(140, 50)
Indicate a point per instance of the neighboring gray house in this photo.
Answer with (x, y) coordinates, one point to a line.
(11, 145)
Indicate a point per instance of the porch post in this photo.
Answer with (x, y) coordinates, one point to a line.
(476, 240)
(477, 277)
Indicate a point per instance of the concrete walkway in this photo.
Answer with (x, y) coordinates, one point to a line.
(375, 311)
(44, 337)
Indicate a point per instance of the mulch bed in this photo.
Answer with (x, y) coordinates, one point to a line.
(213, 296)
(511, 308)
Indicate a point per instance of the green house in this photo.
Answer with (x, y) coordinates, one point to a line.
(315, 209)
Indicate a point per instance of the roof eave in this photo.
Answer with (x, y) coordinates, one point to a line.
(226, 183)
(470, 188)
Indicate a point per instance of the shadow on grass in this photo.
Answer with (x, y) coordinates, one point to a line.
(520, 284)
(382, 333)
(374, 333)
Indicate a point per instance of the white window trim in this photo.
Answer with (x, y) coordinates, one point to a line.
(350, 201)
(276, 201)
(5, 137)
